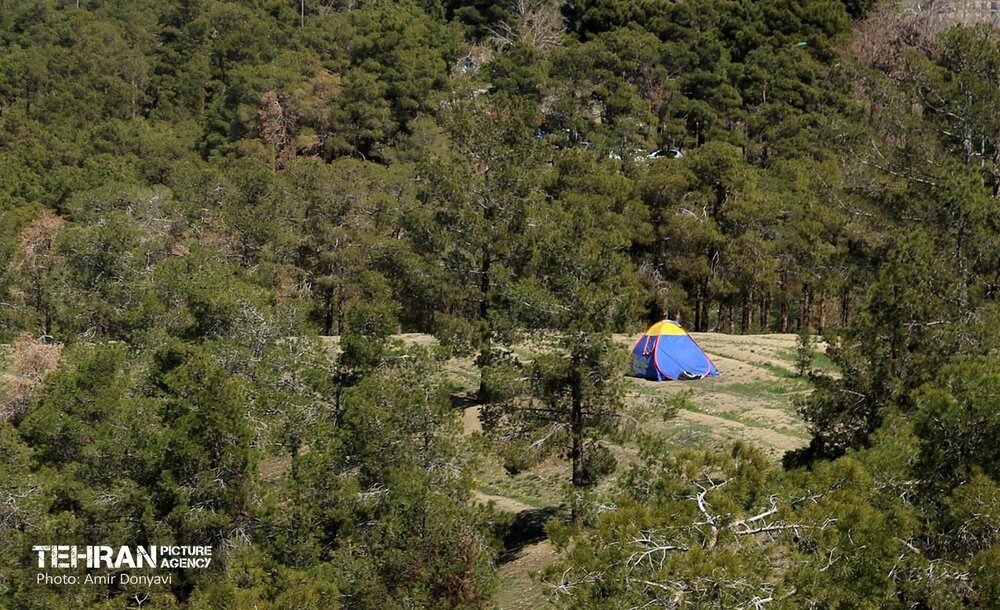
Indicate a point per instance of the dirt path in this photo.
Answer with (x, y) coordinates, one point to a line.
(503, 503)
(470, 420)
(773, 441)
(528, 552)
(517, 588)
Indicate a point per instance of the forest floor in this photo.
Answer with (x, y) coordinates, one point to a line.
(752, 399)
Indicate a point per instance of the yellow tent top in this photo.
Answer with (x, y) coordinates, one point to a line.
(666, 327)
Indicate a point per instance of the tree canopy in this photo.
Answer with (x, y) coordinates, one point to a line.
(216, 215)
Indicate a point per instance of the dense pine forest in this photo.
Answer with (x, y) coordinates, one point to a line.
(218, 217)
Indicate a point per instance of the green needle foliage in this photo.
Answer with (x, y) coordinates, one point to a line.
(216, 215)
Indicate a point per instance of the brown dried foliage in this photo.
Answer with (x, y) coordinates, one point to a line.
(29, 361)
(37, 240)
(275, 125)
(890, 31)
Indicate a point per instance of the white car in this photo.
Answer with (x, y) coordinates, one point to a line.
(665, 153)
(636, 155)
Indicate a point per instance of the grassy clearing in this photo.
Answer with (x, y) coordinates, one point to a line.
(753, 399)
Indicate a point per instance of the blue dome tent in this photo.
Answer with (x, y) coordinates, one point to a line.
(666, 351)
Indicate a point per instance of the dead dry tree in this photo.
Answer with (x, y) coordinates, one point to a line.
(646, 569)
(538, 24)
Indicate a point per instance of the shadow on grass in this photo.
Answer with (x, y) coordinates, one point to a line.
(464, 400)
(528, 527)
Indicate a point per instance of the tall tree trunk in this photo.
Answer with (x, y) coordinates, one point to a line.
(783, 307)
(484, 283)
(486, 339)
(328, 312)
(39, 309)
(802, 309)
(822, 312)
(576, 432)
(338, 413)
(810, 299)
(894, 334)
(765, 312)
(704, 307)
(745, 319)
(805, 311)
(341, 313)
(698, 296)
(845, 306)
